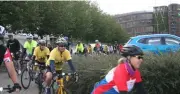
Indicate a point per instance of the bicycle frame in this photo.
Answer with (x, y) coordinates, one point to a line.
(60, 81)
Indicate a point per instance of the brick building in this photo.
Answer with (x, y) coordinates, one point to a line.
(136, 23)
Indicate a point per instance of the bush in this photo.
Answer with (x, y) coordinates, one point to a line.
(160, 73)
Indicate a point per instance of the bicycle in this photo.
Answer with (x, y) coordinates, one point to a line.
(8, 89)
(27, 71)
(40, 78)
(62, 82)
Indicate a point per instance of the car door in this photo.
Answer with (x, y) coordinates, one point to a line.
(172, 44)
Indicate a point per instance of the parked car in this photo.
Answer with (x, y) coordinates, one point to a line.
(156, 43)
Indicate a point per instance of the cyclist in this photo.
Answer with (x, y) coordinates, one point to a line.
(125, 76)
(90, 49)
(79, 48)
(14, 47)
(97, 46)
(41, 54)
(29, 46)
(50, 47)
(5, 56)
(35, 38)
(57, 58)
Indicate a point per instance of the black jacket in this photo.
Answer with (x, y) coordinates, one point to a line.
(13, 45)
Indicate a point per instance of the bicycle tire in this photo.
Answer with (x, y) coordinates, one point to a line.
(30, 79)
(40, 81)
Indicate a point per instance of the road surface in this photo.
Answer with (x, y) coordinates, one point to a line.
(5, 80)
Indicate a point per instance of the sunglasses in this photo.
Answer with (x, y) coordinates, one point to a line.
(61, 45)
(42, 44)
(139, 57)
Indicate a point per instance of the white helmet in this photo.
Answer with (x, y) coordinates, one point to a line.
(30, 36)
(41, 42)
(2, 31)
(35, 36)
(61, 41)
(96, 40)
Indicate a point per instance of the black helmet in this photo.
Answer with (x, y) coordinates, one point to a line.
(131, 50)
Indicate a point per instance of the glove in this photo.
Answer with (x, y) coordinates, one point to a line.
(16, 86)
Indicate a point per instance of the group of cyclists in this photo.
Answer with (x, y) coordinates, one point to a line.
(54, 60)
(119, 80)
(39, 53)
(98, 48)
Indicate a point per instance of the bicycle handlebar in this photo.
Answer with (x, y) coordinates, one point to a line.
(8, 89)
(74, 75)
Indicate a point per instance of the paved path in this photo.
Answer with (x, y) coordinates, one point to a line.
(4, 81)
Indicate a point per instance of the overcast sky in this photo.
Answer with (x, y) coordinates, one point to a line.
(125, 6)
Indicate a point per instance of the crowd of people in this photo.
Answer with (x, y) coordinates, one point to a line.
(119, 80)
(98, 48)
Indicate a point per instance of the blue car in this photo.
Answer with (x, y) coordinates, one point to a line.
(156, 43)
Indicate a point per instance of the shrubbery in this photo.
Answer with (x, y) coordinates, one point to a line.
(160, 74)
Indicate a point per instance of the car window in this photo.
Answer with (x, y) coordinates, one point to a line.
(143, 41)
(129, 41)
(154, 41)
(172, 41)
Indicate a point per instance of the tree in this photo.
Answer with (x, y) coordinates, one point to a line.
(81, 20)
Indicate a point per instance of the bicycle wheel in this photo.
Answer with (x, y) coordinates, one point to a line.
(40, 83)
(26, 76)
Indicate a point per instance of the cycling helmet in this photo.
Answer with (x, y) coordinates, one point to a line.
(35, 36)
(66, 38)
(131, 50)
(10, 34)
(96, 40)
(41, 42)
(30, 36)
(2, 31)
(61, 41)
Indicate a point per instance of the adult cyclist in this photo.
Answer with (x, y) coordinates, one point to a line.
(35, 38)
(125, 76)
(29, 46)
(5, 56)
(79, 48)
(14, 47)
(57, 58)
(41, 54)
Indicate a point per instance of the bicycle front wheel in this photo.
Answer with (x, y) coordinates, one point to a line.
(25, 78)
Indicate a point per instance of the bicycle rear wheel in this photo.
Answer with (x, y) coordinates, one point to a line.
(26, 75)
